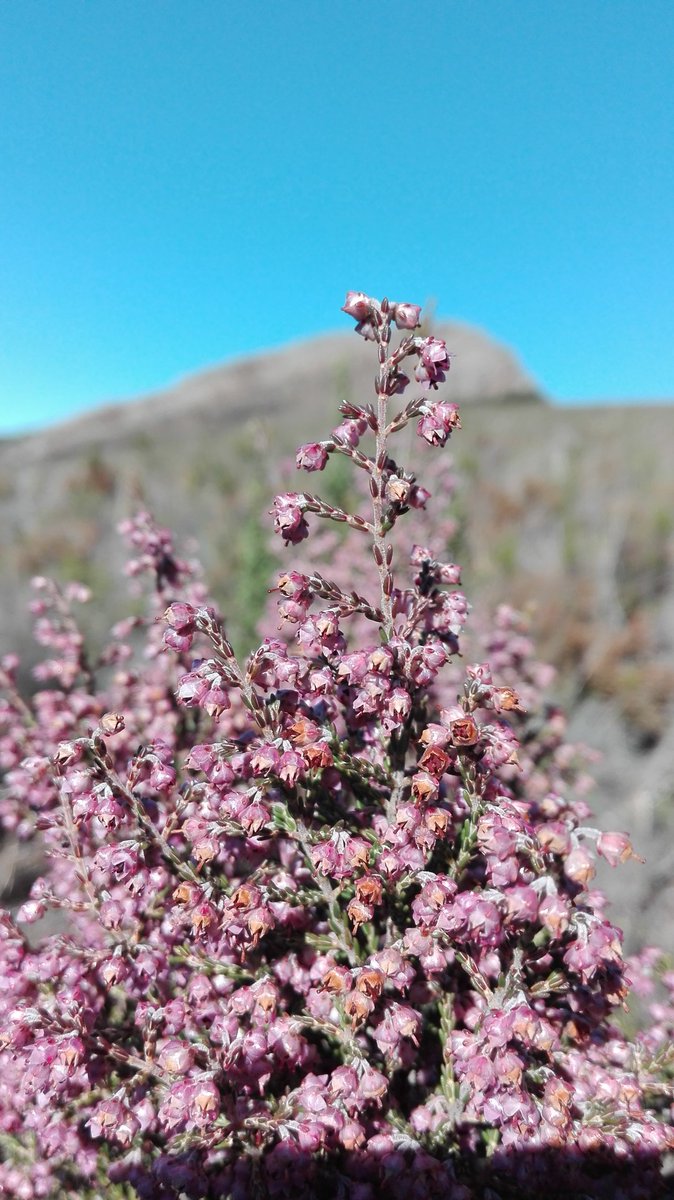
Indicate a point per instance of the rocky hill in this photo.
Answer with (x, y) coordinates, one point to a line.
(567, 512)
(198, 454)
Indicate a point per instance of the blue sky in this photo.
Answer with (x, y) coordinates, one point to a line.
(182, 181)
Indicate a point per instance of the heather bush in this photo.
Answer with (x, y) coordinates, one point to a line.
(326, 918)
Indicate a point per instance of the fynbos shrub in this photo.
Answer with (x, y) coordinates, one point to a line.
(326, 918)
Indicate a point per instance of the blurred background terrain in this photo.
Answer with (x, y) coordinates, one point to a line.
(565, 512)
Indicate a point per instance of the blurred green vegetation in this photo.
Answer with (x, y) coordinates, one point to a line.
(252, 569)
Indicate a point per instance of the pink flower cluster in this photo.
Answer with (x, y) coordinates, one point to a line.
(326, 922)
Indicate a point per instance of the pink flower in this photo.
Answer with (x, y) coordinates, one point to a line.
(464, 731)
(418, 496)
(176, 1057)
(291, 767)
(579, 866)
(406, 316)
(265, 760)
(372, 1085)
(312, 457)
(181, 616)
(358, 305)
(205, 688)
(433, 361)
(616, 848)
(553, 911)
(113, 1120)
(350, 432)
(288, 517)
(437, 423)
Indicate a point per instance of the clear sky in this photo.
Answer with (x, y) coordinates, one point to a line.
(182, 181)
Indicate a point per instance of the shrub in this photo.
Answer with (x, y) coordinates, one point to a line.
(326, 918)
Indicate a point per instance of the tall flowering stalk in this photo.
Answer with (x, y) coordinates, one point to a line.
(327, 926)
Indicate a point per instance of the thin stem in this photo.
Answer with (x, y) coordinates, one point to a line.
(330, 894)
(382, 551)
(77, 853)
(183, 869)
